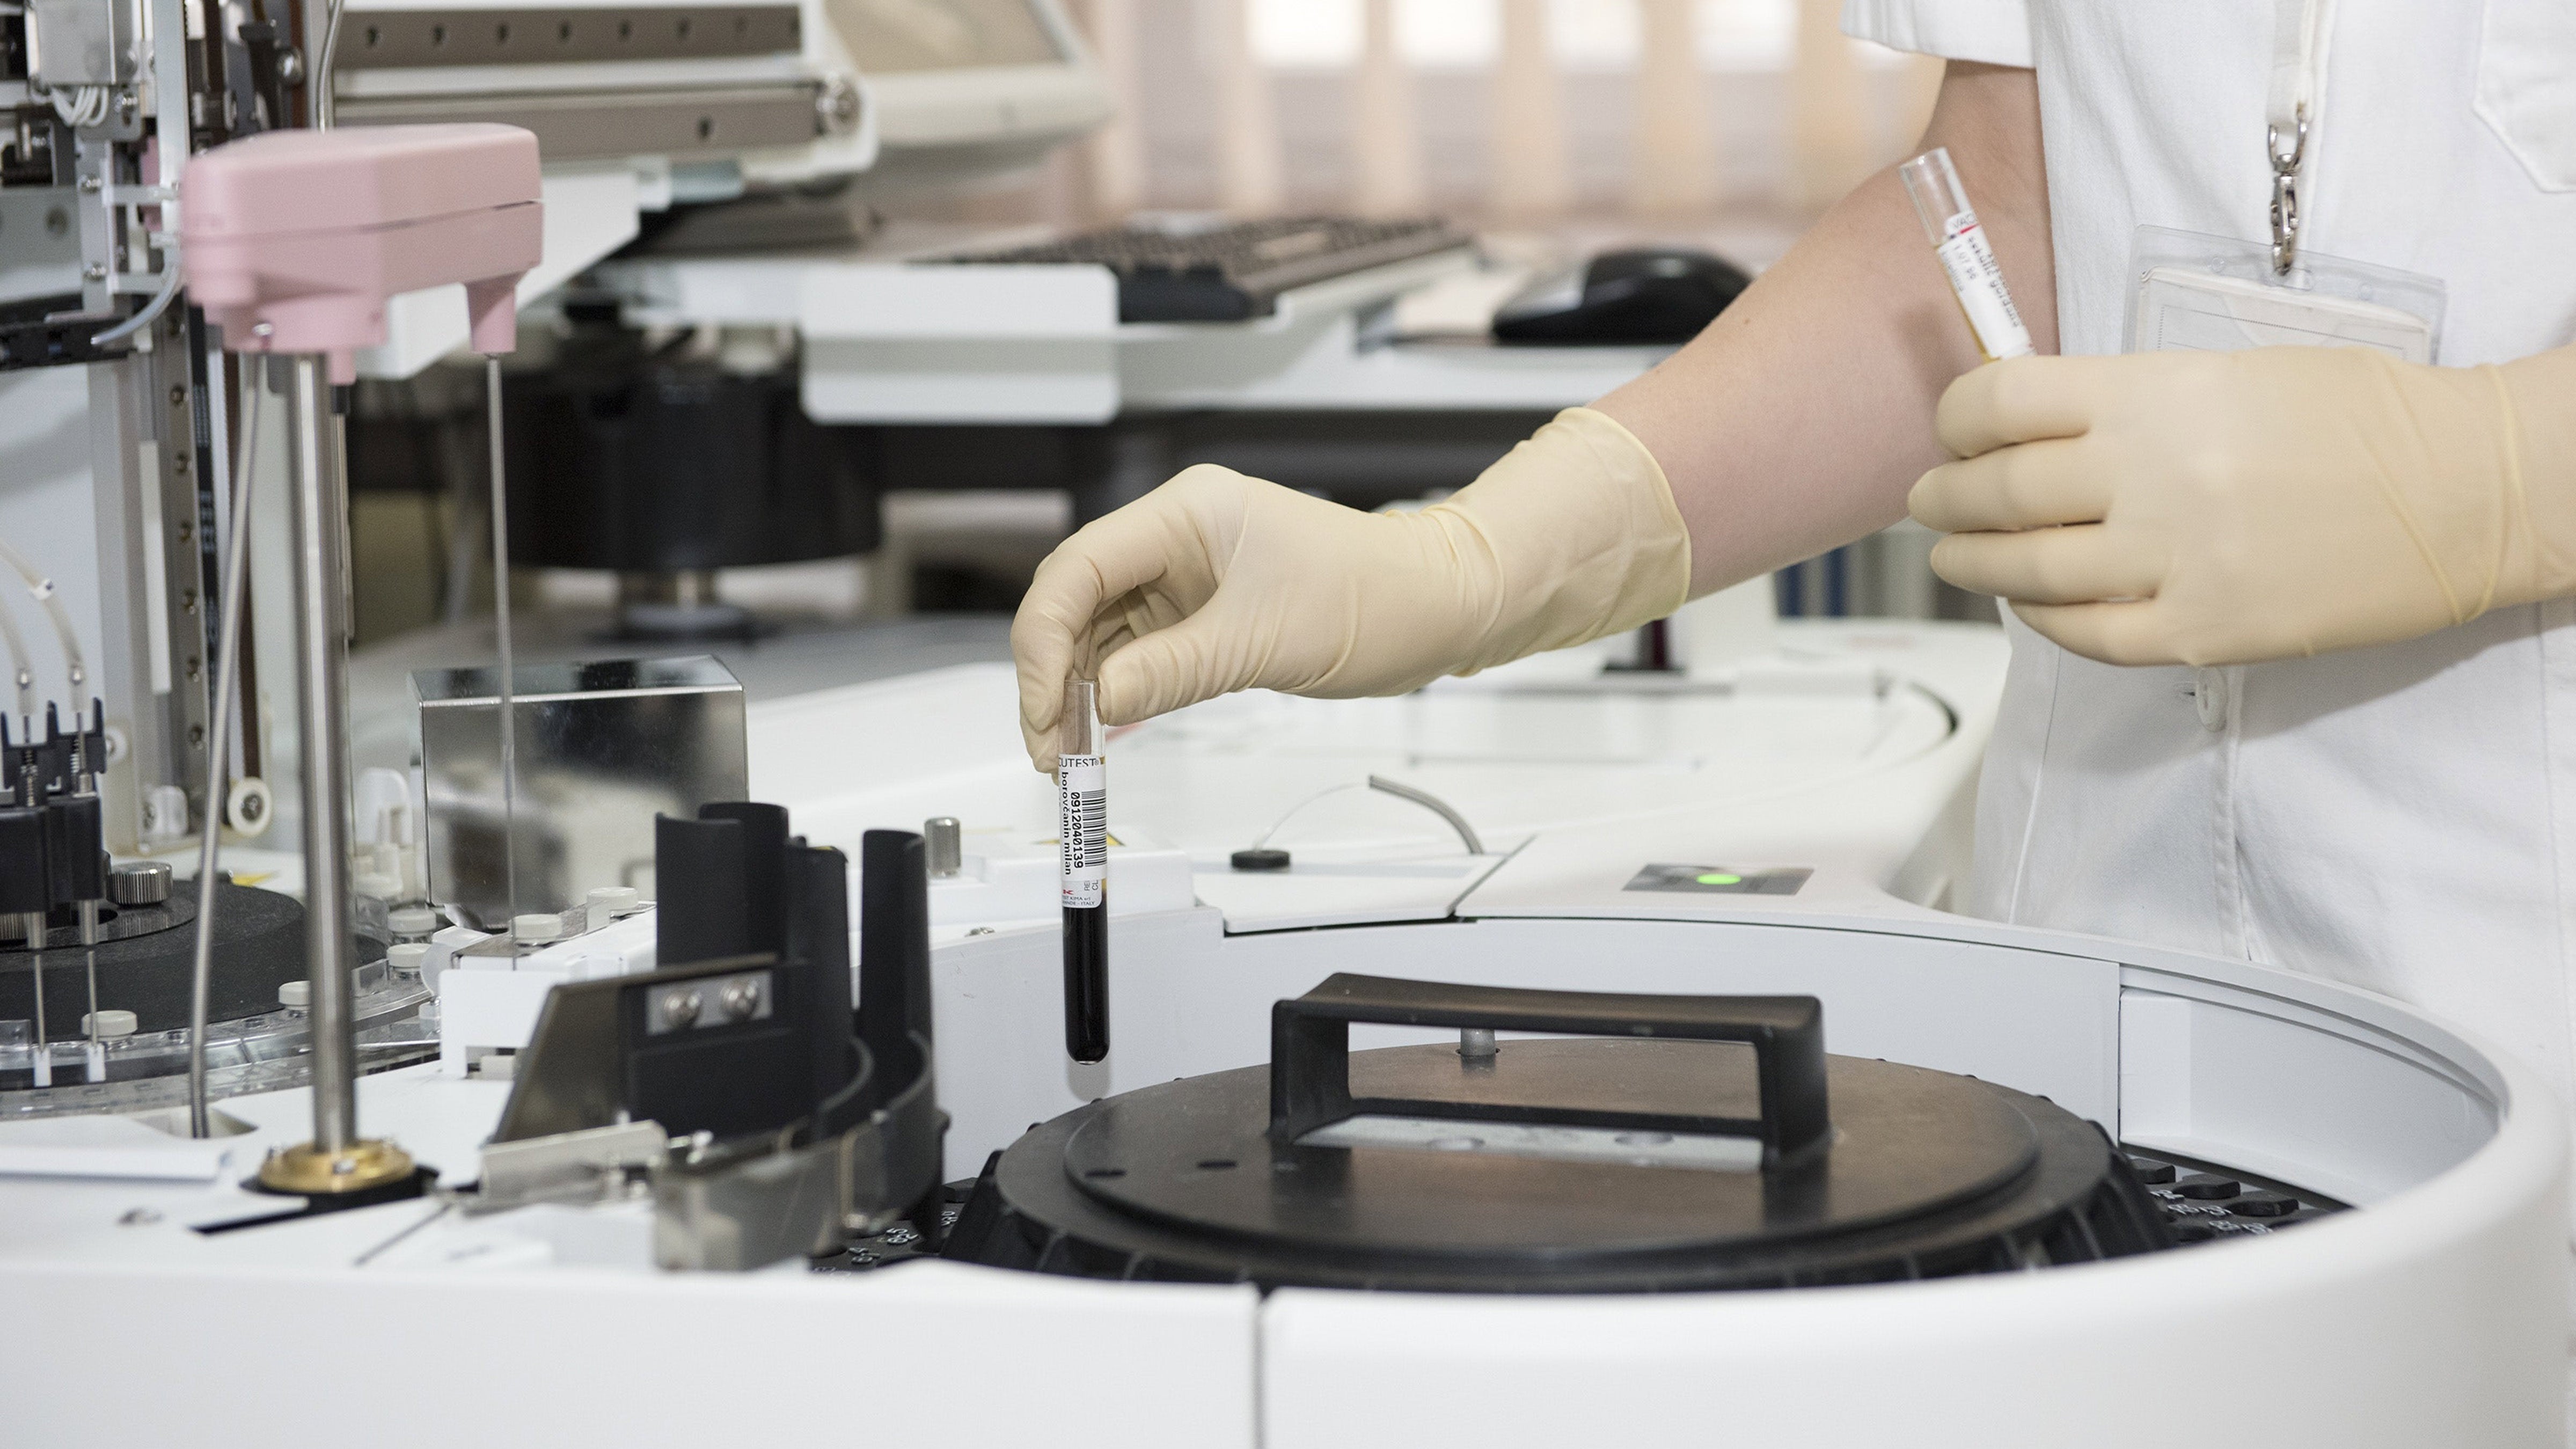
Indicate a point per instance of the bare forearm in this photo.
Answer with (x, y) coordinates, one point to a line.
(1800, 418)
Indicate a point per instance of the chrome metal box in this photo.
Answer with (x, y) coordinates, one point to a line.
(602, 748)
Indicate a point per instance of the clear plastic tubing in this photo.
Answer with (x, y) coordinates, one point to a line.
(1951, 225)
(1082, 791)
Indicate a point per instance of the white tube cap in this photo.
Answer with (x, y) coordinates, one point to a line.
(607, 903)
(109, 1023)
(414, 921)
(297, 994)
(405, 956)
(535, 926)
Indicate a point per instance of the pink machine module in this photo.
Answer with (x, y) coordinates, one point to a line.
(294, 240)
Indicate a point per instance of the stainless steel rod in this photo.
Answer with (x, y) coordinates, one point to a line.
(225, 682)
(505, 696)
(321, 670)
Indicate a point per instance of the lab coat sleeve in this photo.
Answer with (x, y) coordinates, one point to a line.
(1996, 32)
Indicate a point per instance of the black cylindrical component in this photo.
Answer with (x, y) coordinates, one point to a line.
(26, 882)
(764, 870)
(1086, 982)
(894, 947)
(75, 850)
(818, 942)
(698, 878)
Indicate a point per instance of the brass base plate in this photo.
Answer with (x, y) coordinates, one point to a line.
(312, 1172)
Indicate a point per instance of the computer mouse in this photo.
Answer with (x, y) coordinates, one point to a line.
(1640, 295)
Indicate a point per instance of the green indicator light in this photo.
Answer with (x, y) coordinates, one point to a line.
(1719, 877)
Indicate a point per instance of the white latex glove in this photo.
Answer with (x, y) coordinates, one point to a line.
(2232, 507)
(1216, 582)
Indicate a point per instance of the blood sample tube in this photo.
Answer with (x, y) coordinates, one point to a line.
(1082, 793)
(1951, 225)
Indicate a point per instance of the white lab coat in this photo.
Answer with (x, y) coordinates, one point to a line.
(2401, 818)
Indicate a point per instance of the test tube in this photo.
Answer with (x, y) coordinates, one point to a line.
(1951, 224)
(1082, 797)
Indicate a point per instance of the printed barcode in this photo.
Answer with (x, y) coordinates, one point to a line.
(1086, 832)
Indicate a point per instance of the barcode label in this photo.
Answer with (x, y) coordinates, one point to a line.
(1082, 799)
(1979, 280)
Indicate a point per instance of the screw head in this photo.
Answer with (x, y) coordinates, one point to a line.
(680, 1006)
(741, 999)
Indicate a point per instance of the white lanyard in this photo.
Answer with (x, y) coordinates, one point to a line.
(2298, 69)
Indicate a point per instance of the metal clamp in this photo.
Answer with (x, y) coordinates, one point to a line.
(2285, 190)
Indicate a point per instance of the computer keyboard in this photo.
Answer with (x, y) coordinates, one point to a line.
(1232, 271)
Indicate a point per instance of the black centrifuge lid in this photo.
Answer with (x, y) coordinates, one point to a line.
(1693, 1142)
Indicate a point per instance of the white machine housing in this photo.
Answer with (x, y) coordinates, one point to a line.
(2430, 1316)
(2433, 1314)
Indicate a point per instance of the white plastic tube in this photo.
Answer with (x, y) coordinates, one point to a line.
(1950, 223)
(44, 592)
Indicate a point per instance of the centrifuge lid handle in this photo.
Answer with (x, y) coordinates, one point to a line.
(1310, 1037)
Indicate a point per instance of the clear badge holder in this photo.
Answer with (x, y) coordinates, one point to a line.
(2201, 293)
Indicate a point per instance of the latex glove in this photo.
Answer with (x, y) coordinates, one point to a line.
(1216, 582)
(2232, 507)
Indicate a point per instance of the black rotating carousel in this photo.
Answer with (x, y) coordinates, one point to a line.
(138, 952)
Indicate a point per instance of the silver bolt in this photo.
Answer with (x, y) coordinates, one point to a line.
(1476, 1043)
(680, 1007)
(942, 843)
(741, 999)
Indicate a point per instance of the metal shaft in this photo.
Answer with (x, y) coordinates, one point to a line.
(32, 925)
(504, 668)
(221, 686)
(321, 664)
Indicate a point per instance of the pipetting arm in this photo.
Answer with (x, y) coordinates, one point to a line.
(294, 241)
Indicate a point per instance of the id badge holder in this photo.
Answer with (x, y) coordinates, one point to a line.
(2195, 292)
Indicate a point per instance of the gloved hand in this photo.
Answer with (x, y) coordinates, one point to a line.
(1216, 582)
(2232, 507)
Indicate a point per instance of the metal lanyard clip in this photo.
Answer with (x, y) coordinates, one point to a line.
(2298, 34)
(2285, 190)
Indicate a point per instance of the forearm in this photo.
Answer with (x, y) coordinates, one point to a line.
(1800, 418)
